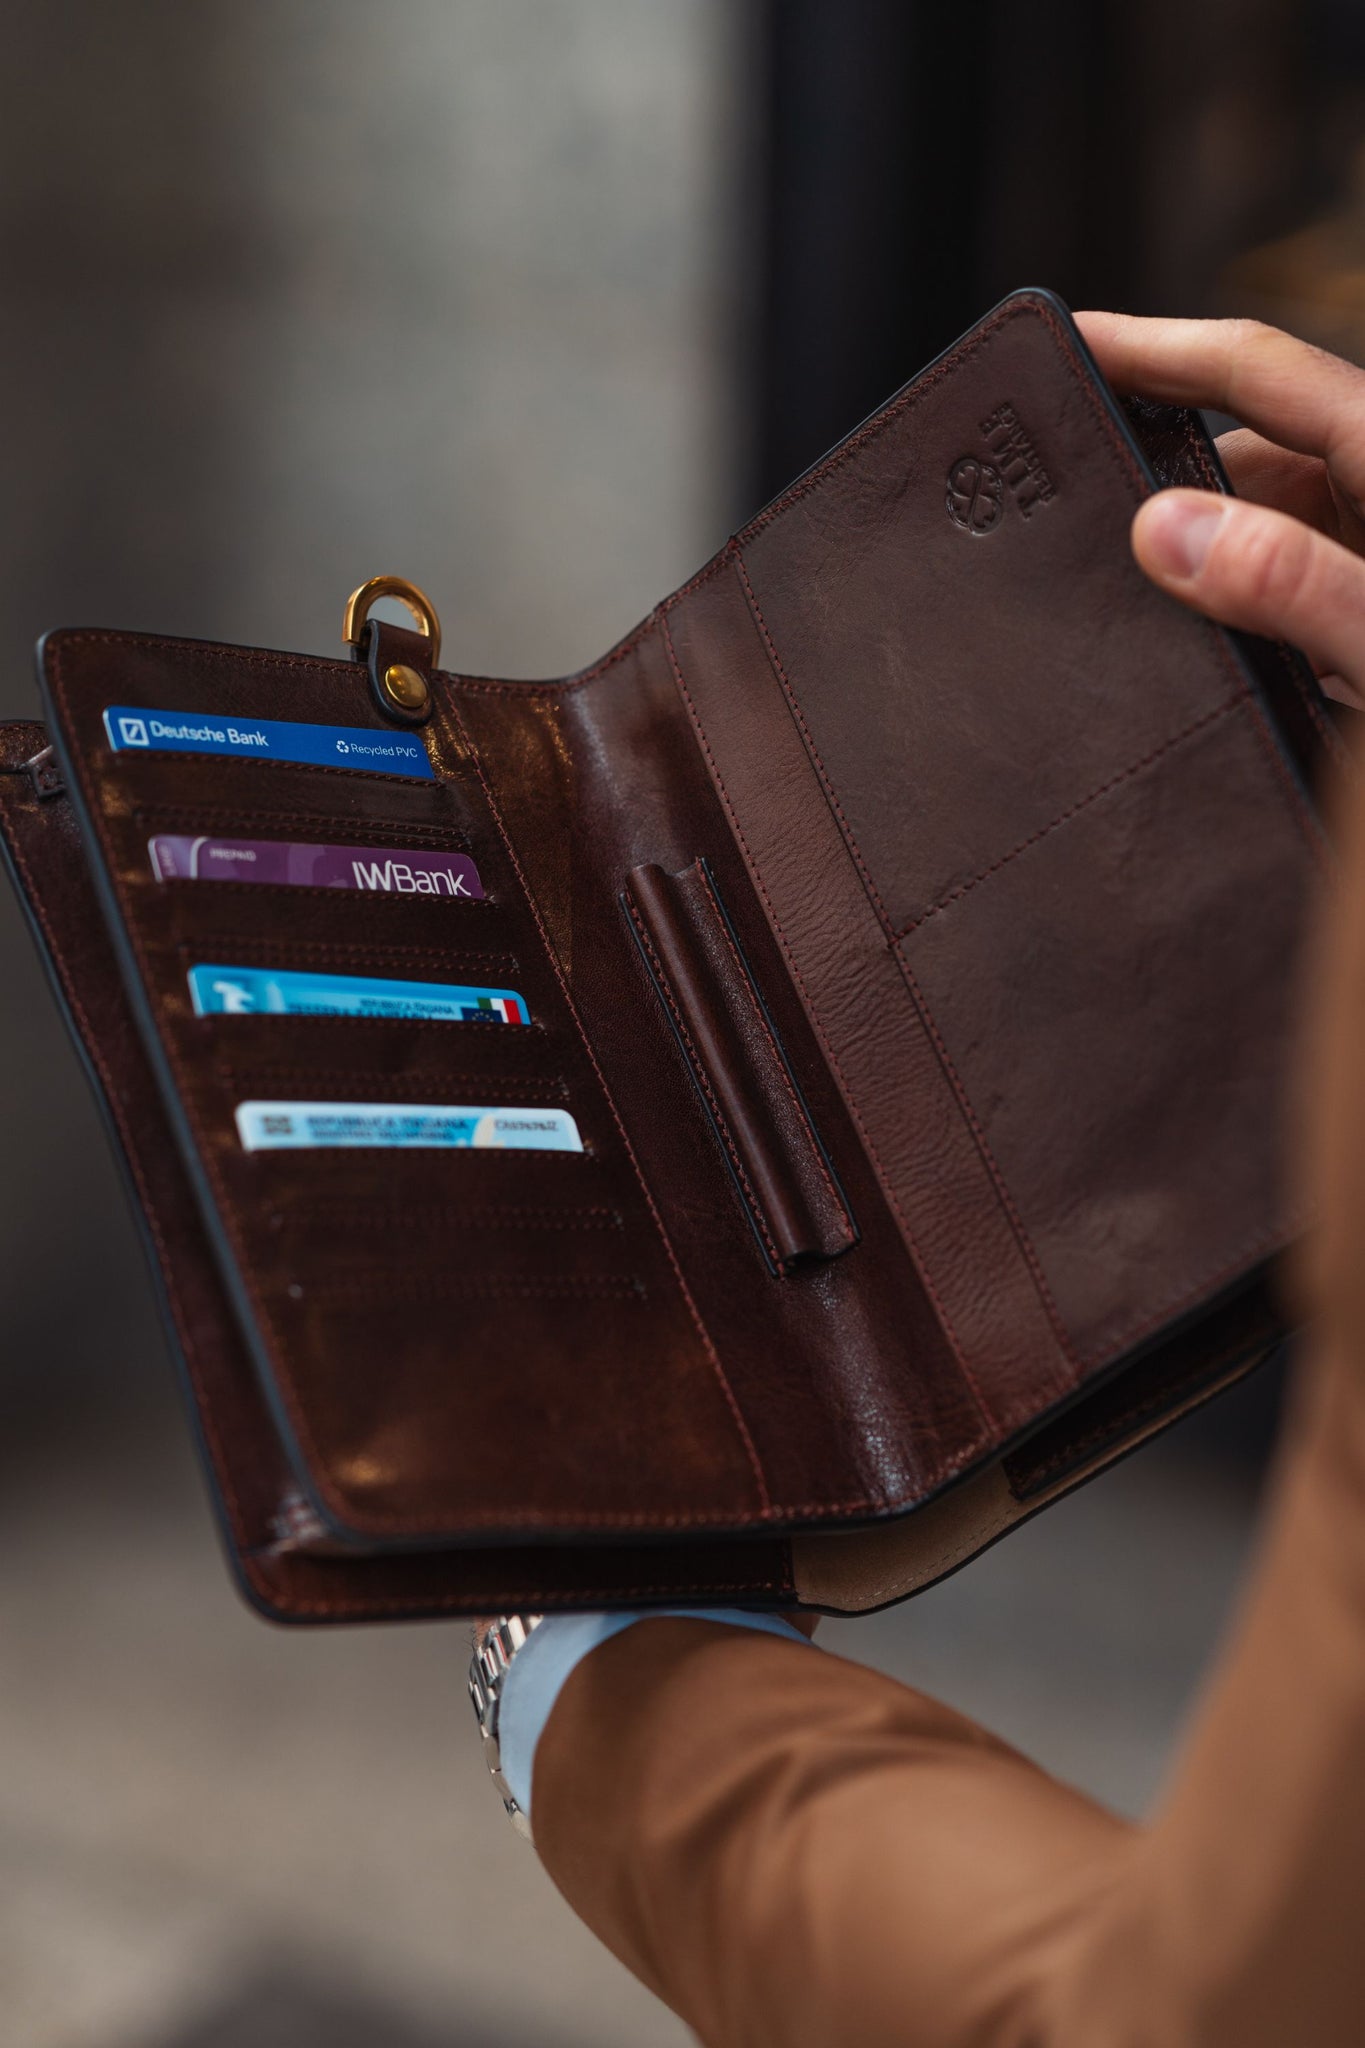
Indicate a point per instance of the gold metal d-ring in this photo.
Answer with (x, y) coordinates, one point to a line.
(418, 603)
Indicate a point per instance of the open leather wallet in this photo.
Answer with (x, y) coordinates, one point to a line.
(754, 1119)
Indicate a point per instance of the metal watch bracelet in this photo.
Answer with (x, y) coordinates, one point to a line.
(488, 1668)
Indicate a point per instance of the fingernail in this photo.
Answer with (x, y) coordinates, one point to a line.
(1177, 533)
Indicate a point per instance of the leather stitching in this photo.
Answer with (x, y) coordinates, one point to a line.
(488, 1287)
(208, 1155)
(726, 1389)
(910, 396)
(446, 1216)
(194, 762)
(703, 1081)
(1064, 817)
(998, 1181)
(249, 1077)
(427, 838)
(978, 1134)
(114, 1104)
(930, 1289)
(352, 952)
(380, 1027)
(189, 889)
(825, 783)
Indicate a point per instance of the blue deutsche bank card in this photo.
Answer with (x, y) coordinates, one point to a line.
(303, 1126)
(268, 739)
(272, 992)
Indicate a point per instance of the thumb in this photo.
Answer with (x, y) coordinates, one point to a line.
(1248, 566)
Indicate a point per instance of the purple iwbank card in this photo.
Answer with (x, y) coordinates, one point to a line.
(402, 872)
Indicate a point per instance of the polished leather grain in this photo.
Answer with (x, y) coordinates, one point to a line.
(905, 914)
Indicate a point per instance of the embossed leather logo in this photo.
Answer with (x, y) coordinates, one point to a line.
(1019, 460)
(976, 495)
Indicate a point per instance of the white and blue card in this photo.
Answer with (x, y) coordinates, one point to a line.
(305, 1126)
(274, 992)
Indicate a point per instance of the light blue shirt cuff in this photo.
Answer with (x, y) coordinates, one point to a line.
(562, 1641)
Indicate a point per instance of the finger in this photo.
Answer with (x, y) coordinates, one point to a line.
(1248, 566)
(1268, 475)
(1291, 392)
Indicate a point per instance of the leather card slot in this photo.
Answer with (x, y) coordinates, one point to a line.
(189, 901)
(386, 1406)
(394, 1185)
(397, 961)
(309, 1082)
(230, 821)
(409, 1053)
(415, 1283)
(339, 1213)
(738, 1065)
(471, 1242)
(371, 1032)
(282, 794)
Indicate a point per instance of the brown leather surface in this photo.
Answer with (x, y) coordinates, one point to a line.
(853, 1571)
(1014, 863)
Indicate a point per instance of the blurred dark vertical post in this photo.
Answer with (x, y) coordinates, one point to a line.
(923, 159)
(874, 188)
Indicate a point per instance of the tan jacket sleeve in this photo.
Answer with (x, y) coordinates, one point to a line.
(798, 1853)
(790, 1849)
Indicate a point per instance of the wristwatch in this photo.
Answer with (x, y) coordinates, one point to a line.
(488, 1669)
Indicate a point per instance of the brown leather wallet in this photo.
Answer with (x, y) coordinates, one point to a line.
(907, 914)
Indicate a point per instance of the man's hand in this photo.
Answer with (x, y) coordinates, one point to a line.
(1283, 559)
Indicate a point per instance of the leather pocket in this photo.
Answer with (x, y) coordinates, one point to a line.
(737, 1064)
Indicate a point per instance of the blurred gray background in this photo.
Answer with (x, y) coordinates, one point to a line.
(529, 300)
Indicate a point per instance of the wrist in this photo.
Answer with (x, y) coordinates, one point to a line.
(521, 1663)
(496, 1642)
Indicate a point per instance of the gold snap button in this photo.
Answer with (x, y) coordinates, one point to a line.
(406, 687)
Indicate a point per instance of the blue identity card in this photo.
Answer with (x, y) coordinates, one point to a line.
(373, 748)
(273, 992)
